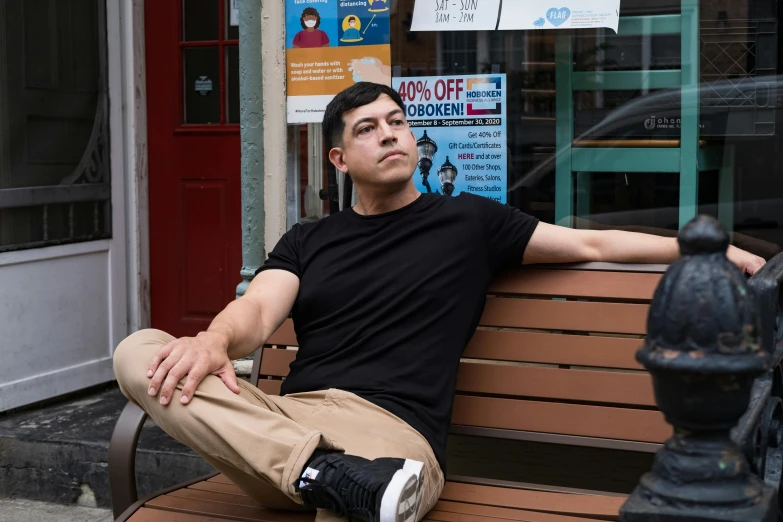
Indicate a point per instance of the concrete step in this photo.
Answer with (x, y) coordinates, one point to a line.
(58, 452)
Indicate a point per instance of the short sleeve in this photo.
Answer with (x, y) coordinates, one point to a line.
(285, 255)
(298, 39)
(507, 230)
(324, 38)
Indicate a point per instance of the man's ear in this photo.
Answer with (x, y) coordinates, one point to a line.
(337, 157)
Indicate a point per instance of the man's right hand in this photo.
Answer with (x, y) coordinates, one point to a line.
(196, 357)
(251, 319)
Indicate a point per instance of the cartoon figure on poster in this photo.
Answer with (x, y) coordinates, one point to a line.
(310, 35)
(378, 6)
(363, 25)
(351, 27)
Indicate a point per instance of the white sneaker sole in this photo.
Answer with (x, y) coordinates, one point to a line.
(400, 502)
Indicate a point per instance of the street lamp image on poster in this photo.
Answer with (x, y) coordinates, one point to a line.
(331, 45)
(459, 123)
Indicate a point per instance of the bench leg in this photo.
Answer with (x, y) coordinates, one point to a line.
(122, 458)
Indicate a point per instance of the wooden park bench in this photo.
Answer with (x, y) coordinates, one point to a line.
(551, 362)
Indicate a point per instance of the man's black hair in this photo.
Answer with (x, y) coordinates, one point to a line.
(355, 96)
(310, 11)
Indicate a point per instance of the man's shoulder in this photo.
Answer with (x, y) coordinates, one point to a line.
(317, 226)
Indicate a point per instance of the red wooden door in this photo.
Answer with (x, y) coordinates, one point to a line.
(194, 161)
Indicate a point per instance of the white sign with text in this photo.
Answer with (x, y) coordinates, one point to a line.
(488, 15)
(455, 15)
(569, 14)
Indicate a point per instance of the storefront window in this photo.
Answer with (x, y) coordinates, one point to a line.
(54, 135)
(639, 130)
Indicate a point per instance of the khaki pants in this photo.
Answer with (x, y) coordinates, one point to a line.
(261, 442)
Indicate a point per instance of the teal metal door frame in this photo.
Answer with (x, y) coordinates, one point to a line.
(687, 160)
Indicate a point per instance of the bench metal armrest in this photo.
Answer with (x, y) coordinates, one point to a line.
(766, 284)
(760, 432)
(122, 458)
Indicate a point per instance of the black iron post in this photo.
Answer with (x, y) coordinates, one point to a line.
(703, 349)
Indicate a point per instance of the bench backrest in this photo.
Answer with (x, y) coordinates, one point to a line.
(551, 361)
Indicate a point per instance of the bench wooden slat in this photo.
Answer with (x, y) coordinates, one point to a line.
(187, 505)
(213, 496)
(220, 478)
(442, 505)
(229, 511)
(447, 506)
(519, 516)
(269, 387)
(550, 348)
(578, 283)
(567, 419)
(574, 385)
(275, 361)
(285, 335)
(546, 314)
(557, 503)
(157, 515)
(504, 345)
(553, 383)
(217, 487)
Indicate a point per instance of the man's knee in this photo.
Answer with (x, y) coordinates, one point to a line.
(133, 356)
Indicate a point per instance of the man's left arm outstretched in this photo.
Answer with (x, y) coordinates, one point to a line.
(556, 244)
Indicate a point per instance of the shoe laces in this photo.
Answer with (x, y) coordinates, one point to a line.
(348, 491)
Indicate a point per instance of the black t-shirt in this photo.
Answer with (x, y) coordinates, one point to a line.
(388, 302)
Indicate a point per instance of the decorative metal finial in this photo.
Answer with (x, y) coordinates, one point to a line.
(703, 350)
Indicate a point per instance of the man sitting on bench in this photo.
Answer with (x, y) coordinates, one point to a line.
(384, 297)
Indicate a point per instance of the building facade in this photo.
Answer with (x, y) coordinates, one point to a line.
(126, 146)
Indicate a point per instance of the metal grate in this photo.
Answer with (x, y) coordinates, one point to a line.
(76, 207)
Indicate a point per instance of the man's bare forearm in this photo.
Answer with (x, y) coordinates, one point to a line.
(618, 246)
(238, 324)
(246, 324)
(632, 247)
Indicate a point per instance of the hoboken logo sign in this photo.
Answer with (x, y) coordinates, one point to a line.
(487, 91)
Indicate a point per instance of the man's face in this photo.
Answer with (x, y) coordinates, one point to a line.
(378, 146)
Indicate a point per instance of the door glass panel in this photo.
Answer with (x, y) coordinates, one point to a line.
(232, 83)
(201, 74)
(232, 27)
(200, 20)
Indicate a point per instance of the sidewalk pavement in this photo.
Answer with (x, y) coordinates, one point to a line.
(20, 510)
(58, 452)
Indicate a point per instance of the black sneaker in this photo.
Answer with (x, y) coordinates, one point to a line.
(380, 490)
